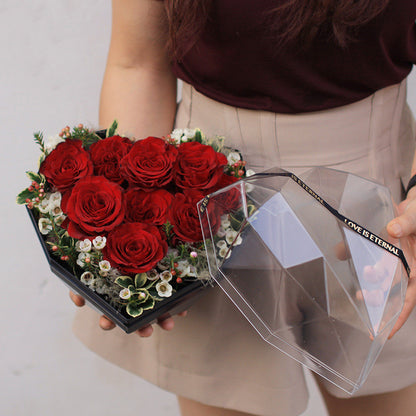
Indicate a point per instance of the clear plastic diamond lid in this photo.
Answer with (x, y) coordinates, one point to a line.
(309, 263)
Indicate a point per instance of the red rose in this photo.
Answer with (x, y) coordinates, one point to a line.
(185, 219)
(135, 247)
(66, 164)
(149, 207)
(94, 206)
(106, 155)
(198, 166)
(229, 200)
(149, 163)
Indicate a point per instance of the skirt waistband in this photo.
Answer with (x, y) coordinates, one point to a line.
(373, 137)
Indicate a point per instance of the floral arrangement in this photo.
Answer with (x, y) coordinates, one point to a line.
(121, 214)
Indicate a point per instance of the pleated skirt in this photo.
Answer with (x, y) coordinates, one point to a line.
(213, 355)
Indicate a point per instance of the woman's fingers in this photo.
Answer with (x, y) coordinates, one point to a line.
(405, 224)
(77, 299)
(106, 324)
(409, 304)
(146, 331)
(167, 324)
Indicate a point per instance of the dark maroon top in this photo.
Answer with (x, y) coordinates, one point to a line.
(236, 62)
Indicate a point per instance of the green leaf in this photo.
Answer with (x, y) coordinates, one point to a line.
(39, 140)
(132, 289)
(149, 304)
(198, 136)
(250, 209)
(112, 130)
(34, 176)
(124, 281)
(140, 279)
(150, 284)
(133, 309)
(42, 157)
(25, 194)
(236, 219)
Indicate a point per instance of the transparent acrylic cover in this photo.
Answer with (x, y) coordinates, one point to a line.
(309, 264)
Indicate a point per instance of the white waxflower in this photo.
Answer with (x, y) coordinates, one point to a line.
(221, 244)
(87, 278)
(59, 219)
(224, 252)
(164, 264)
(250, 172)
(45, 225)
(177, 135)
(164, 289)
(166, 276)
(232, 236)
(83, 246)
(225, 223)
(152, 275)
(182, 135)
(183, 268)
(45, 205)
(104, 265)
(221, 232)
(82, 259)
(188, 134)
(55, 198)
(125, 293)
(192, 271)
(52, 141)
(56, 211)
(99, 242)
(233, 157)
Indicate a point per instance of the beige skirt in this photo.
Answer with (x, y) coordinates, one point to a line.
(213, 355)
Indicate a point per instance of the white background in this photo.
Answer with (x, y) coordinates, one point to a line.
(52, 61)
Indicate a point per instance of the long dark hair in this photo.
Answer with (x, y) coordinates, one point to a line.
(291, 21)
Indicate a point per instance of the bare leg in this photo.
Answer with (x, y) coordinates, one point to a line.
(397, 403)
(191, 408)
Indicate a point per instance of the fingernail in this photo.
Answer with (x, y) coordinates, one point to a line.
(396, 229)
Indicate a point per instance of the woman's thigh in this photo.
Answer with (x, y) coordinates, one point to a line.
(396, 403)
(192, 408)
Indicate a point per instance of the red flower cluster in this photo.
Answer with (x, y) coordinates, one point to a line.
(126, 191)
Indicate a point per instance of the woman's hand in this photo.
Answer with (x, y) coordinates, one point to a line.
(404, 227)
(106, 324)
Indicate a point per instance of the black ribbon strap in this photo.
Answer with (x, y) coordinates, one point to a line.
(357, 228)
